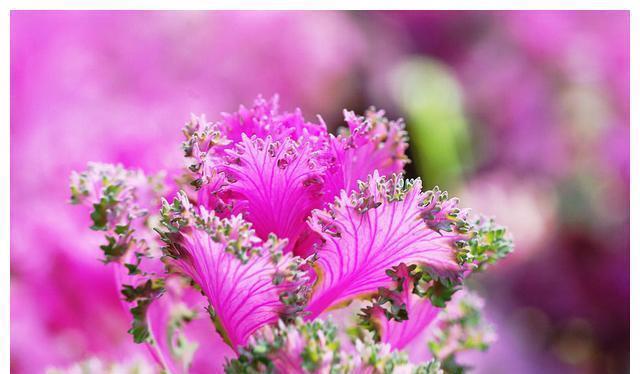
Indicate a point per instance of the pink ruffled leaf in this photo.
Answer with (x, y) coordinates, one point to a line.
(121, 200)
(207, 142)
(248, 282)
(368, 143)
(389, 221)
(397, 316)
(458, 328)
(264, 119)
(275, 185)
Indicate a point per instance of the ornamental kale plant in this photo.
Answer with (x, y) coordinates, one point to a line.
(307, 251)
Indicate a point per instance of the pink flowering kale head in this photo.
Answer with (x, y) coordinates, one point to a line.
(273, 224)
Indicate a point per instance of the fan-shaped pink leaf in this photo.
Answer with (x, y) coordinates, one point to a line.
(275, 185)
(387, 222)
(247, 282)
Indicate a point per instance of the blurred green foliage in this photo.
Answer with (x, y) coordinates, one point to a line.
(431, 96)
